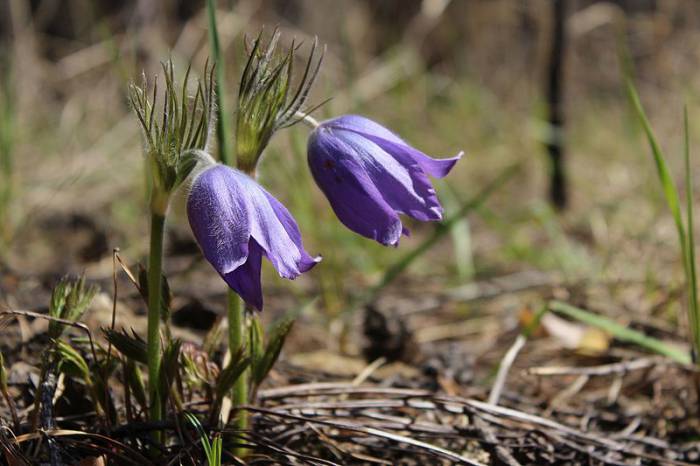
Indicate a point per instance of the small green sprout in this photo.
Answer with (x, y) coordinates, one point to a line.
(212, 449)
(69, 301)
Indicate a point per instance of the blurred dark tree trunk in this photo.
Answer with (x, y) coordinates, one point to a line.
(558, 189)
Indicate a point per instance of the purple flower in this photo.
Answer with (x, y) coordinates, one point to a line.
(236, 222)
(370, 176)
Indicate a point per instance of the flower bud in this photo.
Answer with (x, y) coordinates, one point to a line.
(181, 124)
(267, 100)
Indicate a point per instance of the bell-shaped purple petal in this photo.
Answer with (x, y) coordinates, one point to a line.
(370, 175)
(353, 195)
(236, 222)
(218, 217)
(245, 280)
(305, 262)
(390, 142)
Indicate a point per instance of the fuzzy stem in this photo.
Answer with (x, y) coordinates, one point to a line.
(235, 307)
(155, 261)
(236, 341)
(222, 122)
(308, 120)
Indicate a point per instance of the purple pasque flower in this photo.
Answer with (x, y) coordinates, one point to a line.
(370, 176)
(236, 222)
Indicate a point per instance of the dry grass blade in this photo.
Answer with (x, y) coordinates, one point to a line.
(131, 456)
(605, 369)
(400, 439)
(376, 411)
(265, 443)
(70, 323)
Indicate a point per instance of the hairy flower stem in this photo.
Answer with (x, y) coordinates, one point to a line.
(155, 261)
(307, 119)
(222, 122)
(236, 340)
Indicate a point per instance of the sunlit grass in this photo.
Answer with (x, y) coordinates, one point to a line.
(7, 142)
(684, 227)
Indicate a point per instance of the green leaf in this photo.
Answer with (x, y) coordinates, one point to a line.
(226, 380)
(135, 381)
(70, 299)
(276, 337)
(58, 298)
(667, 183)
(100, 381)
(693, 306)
(169, 365)
(228, 377)
(685, 235)
(71, 362)
(131, 346)
(212, 450)
(256, 345)
(621, 332)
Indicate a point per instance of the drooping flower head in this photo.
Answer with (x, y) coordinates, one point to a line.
(370, 176)
(267, 98)
(236, 222)
(173, 129)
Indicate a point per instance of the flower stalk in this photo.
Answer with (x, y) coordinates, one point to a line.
(308, 120)
(236, 341)
(173, 141)
(155, 273)
(267, 102)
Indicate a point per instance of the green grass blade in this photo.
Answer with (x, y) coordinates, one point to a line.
(667, 183)
(685, 233)
(693, 310)
(621, 332)
(460, 235)
(223, 128)
(218, 447)
(7, 139)
(442, 229)
(209, 450)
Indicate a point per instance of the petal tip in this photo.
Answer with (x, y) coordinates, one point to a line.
(305, 266)
(445, 166)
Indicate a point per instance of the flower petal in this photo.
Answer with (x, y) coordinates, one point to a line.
(306, 262)
(270, 233)
(393, 144)
(245, 280)
(365, 126)
(218, 216)
(236, 222)
(402, 183)
(438, 168)
(351, 192)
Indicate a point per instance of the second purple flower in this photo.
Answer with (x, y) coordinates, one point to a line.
(236, 222)
(370, 176)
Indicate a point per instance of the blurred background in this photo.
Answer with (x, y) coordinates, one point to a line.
(508, 82)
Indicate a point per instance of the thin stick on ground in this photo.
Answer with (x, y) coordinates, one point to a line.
(504, 368)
